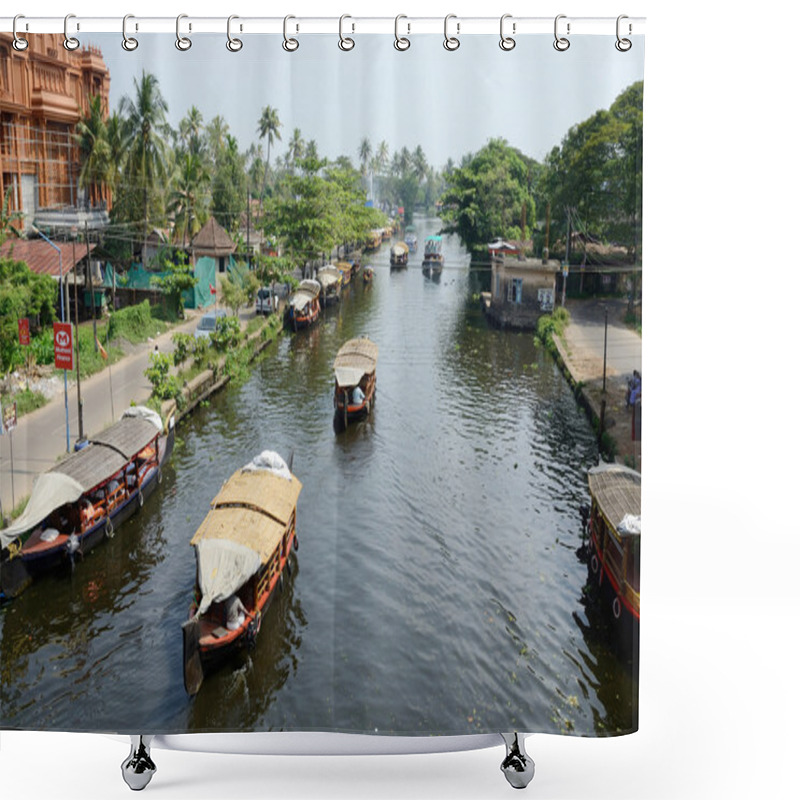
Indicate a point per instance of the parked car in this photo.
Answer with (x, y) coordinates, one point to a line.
(266, 300)
(208, 323)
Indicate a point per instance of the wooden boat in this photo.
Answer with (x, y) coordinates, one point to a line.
(78, 503)
(242, 550)
(614, 522)
(374, 239)
(368, 274)
(354, 371)
(433, 258)
(411, 239)
(345, 270)
(330, 279)
(303, 307)
(398, 255)
(386, 233)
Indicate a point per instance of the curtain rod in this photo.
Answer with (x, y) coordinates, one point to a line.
(347, 25)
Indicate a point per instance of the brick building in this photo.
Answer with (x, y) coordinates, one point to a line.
(44, 92)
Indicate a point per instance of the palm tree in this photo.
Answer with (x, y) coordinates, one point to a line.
(190, 129)
(189, 197)
(296, 148)
(268, 126)
(145, 126)
(216, 133)
(117, 154)
(419, 164)
(91, 138)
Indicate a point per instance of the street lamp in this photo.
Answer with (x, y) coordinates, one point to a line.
(61, 292)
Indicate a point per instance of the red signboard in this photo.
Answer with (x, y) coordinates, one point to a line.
(24, 331)
(62, 343)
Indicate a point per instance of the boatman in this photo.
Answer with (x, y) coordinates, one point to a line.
(357, 396)
(235, 613)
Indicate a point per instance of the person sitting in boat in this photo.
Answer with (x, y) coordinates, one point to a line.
(130, 476)
(357, 396)
(235, 613)
(87, 512)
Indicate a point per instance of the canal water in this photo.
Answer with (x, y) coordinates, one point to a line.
(436, 587)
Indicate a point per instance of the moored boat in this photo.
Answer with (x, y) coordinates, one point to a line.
(78, 503)
(242, 549)
(330, 279)
(614, 523)
(398, 255)
(374, 240)
(354, 372)
(345, 270)
(433, 258)
(303, 307)
(368, 274)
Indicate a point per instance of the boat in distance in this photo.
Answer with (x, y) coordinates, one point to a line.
(242, 550)
(398, 255)
(433, 258)
(79, 502)
(354, 372)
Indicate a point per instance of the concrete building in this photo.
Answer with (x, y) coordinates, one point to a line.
(522, 290)
(44, 92)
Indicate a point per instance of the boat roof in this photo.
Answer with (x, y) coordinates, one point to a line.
(329, 278)
(617, 489)
(343, 266)
(252, 509)
(105, 455)
(309, 285)
(400, 247)
(436, 238)
(356, 358)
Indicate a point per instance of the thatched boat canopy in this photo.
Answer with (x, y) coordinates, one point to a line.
(355, 358)
(617, 490)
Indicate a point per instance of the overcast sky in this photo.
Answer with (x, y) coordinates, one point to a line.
(450, 103)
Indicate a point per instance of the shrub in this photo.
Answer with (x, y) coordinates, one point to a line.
(185, 345)
(227, 333)
(158, 374)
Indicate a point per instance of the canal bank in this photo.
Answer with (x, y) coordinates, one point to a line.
(585, 349)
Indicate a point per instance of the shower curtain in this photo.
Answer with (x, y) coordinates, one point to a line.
(460, 569)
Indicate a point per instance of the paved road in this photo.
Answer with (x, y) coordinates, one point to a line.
(584, 340)
(40, 438)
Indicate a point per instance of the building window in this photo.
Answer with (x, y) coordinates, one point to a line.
(515, 290)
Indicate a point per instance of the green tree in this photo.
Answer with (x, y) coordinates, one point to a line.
(229, 185)
(179, 277)
(8, 218)
(269, 126)
(23, 293)
(91, 136)
(296, 149)
(188, 201)
(489, 196)
(144, 137)
(236, 295)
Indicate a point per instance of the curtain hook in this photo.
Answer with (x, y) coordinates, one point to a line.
(128, 42)
(183, 43)
(289, 45)
(451, 42)
(623, 45)
(561, 43)
(401, 43)
(345, 43)
(234, 45)
(70, 42)
(19, 43)
(507, 42)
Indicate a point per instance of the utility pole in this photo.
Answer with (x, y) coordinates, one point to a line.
(90, 284)
(603, 398)
(77, 337)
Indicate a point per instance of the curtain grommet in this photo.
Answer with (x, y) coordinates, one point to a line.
(289, 44)
(70, 42)
(128, 42)
(233, 44)
(401, 43)
(561, 43)
(346, 43)
(183, 43)
(19, 44)
(507, 43)
(451, 43)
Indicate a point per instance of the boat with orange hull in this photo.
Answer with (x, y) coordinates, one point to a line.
(303, 308)
(354, 370)
(79, 503)
(614, 526)
(243, 549)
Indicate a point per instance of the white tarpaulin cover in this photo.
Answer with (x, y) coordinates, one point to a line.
(51, 490)
(142, 412)
(223, 567)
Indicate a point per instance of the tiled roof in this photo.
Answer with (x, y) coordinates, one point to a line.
(41, 258)
(213, 238)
